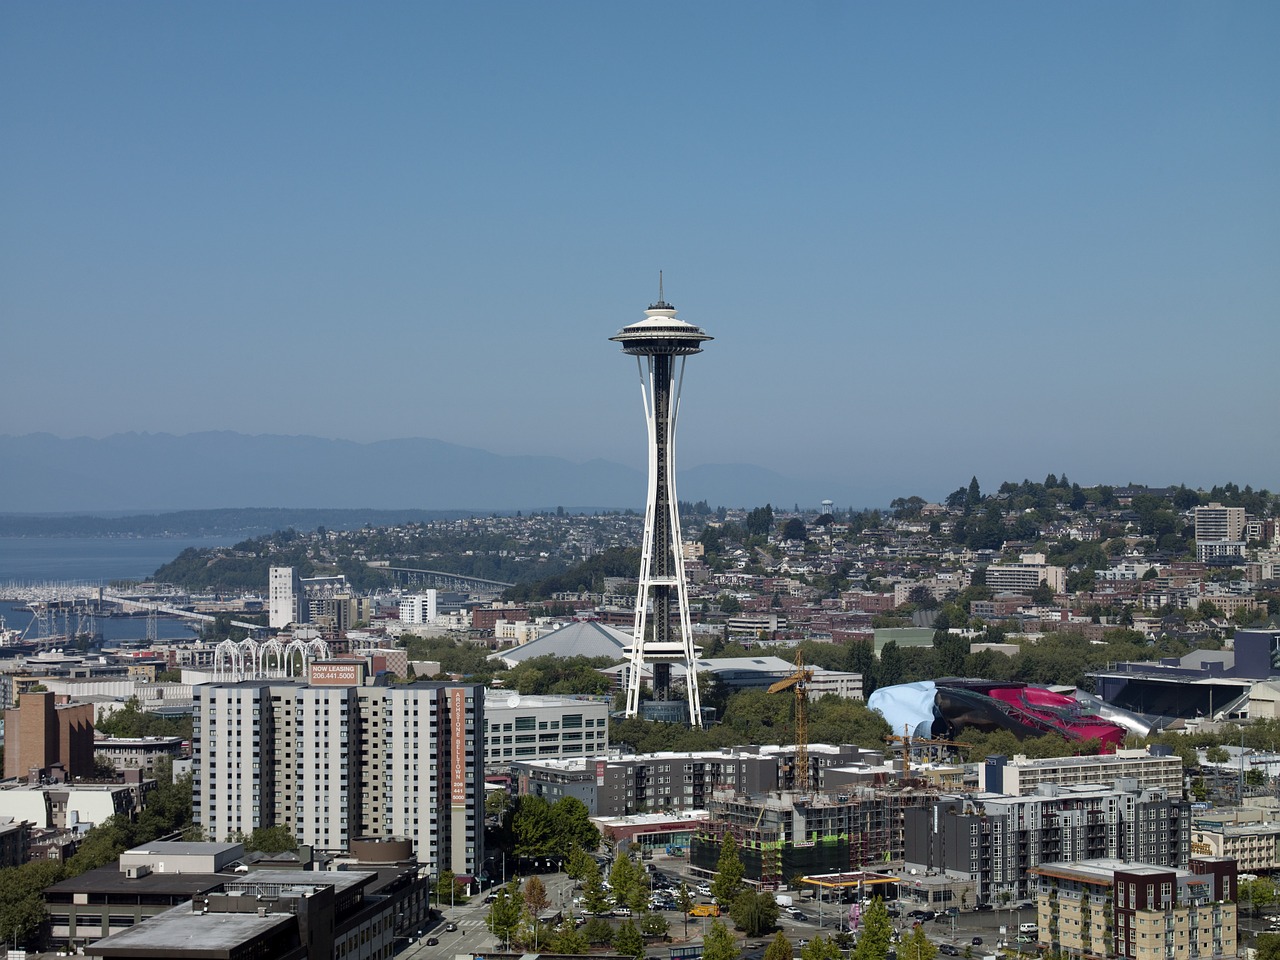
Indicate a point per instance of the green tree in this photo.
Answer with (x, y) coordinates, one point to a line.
(628, 883)
(875, 933)
(568, 940)
(1256, 894)
(531, 826)
(628, 941)
(595, 898)
(719, 943)
(571, 826)
(271, 840)
(598, 930)
(754, 912)
(779, 948)
(654, 925)
(22, 910)
(917, 945)
(579, 864)
(1268, 946)
(496, 803)
(1217, 754)
(729, 871)
(505, 913)
(794, 529)
(449, 889)
(684, 900)
(823, 948)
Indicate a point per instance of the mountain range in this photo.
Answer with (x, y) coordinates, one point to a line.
(150, 472)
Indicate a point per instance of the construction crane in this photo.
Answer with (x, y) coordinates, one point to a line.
(907, 742)
(800, 680)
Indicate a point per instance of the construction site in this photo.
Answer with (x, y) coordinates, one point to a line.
(827, 820)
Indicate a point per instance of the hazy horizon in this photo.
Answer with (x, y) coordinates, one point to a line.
(930, 242)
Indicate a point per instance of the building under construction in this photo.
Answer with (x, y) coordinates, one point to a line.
(783, 836)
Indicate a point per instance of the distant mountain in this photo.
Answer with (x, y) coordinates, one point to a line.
(147, 472)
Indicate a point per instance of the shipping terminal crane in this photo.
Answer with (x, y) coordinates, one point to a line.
(800, 680)
(906, 742)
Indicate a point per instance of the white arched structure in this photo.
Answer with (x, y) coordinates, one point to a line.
(247, 659)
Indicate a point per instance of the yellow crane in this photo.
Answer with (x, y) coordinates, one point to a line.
(800, 681)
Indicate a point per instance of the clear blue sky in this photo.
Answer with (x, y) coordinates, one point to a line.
(932, 240)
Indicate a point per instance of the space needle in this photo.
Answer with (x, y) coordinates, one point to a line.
(660, 344)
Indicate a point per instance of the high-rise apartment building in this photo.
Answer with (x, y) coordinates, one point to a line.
(1216, 522)
(1220, 532)
(996, 840)
(285, 604)
(1027, 575)
(334, 759)
(41, 733)
(419, 608)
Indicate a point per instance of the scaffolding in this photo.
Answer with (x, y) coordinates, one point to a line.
(785, 836)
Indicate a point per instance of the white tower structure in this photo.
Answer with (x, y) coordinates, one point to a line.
(660, 344)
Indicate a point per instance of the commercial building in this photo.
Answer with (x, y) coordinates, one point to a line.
(996, 840)
(523, 727)
(43, 733)
(337, 758)
(281, 914)
(1248, 835)
(1201, 683)
(1139, 911)
(1021, 776)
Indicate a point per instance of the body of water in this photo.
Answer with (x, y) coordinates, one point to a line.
(113, 629)
(93, 559)
(36, 560)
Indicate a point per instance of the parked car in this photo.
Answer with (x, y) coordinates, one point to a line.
(433, 942)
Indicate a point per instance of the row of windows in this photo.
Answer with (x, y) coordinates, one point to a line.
(572, 721)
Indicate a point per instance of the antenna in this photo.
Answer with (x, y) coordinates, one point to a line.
(661, 298)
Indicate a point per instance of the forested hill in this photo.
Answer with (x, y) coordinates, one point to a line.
(228, 522)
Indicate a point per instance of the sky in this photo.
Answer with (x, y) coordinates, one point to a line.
(931, 240)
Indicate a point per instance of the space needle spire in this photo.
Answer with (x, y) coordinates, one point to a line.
(660, 344)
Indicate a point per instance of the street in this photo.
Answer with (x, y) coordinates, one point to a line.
(472, 935)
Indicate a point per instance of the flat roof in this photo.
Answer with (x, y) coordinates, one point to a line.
(111, 880)
(182, 848)
(181, 930)
(689, 817)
